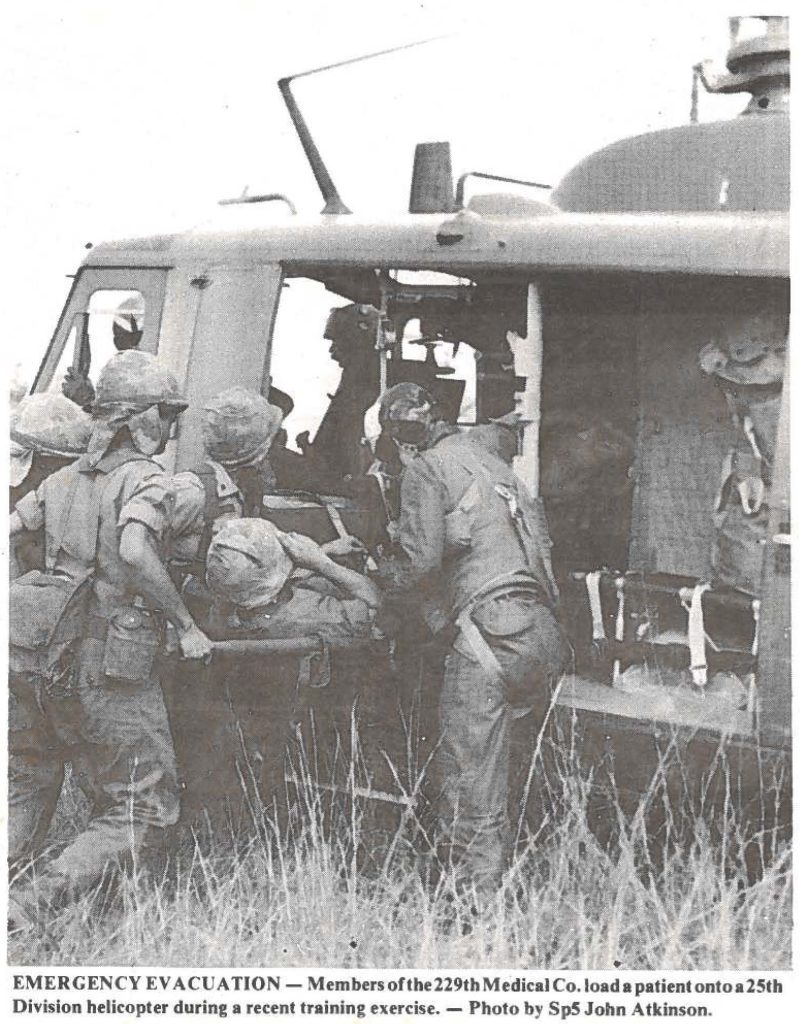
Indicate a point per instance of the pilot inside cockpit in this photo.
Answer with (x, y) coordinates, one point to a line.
(337, 454)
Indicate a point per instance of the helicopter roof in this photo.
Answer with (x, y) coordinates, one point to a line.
(736, 165)
(538, 238)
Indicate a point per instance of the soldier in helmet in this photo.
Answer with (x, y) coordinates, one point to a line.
(747, 363)
(105, 519)
(47, 432)
(475, 549)
(238, 428)
(268, 585)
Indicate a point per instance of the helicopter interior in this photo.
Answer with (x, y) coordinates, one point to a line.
(446, 333)
(634, 435)
(450, 334)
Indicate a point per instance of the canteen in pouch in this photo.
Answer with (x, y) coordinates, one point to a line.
(131, 645)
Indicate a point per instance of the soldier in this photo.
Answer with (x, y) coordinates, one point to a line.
(47, 432)
(238, 428)
(747, 363)
(352, 332)
(105, 518)
(476, 550)
(271, 585)
(252, 565)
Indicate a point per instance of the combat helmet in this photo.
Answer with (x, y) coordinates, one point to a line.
(46, 424)
(407, 413)
(247, 564)
(239, 426)
(137, 380)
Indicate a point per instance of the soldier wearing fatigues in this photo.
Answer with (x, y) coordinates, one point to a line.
(92, 696)
(475, 541)
(273, 585)
(747, 363)
(48, 432)
(238, 428)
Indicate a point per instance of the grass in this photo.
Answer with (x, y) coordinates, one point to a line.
(324, 880)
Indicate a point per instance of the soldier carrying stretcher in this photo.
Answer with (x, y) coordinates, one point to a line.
(84, 637)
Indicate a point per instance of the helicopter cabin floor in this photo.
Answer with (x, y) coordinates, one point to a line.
(656, 706)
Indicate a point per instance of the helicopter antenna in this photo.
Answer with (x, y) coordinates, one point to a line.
(333, 201)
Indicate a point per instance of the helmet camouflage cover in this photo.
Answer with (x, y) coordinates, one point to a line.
(47, 424)
(138, 380)
(239, 427)
(246, 563)
(51, 424)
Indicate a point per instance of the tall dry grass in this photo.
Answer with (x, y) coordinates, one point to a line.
(322, 878)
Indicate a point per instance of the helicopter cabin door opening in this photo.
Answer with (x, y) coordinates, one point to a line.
(661, 400)
(341, 338)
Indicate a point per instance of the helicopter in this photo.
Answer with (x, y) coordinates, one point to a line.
(584, 308)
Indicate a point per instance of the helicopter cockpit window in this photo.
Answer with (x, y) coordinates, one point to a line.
(107, 311)
(112, 321)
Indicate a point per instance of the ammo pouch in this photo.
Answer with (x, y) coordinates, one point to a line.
(132, 641)
(47, 611)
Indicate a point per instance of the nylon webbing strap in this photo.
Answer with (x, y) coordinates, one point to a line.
(619, 626)
(56, 541)
(756, 608)
(595, 605)
(211, 507)
(697, 636)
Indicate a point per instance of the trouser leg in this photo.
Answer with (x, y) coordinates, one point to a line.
(35, 771)
(473, 762)
(478, 711)
(127, 765)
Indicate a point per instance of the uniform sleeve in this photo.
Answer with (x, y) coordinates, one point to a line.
(422, 518)
(30, 509)
(151, 502)
(188, 506)
(345, 618)
(310, 613)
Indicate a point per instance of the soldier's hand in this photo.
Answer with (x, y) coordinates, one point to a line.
(343, 547)
(303, 551)
(194, 644)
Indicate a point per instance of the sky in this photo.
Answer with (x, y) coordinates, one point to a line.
(127, 119)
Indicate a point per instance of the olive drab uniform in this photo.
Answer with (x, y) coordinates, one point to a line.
(747, 364)
(203, 497)
(240, 736)
(474, 535)
(742, 509)
(106, 716)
